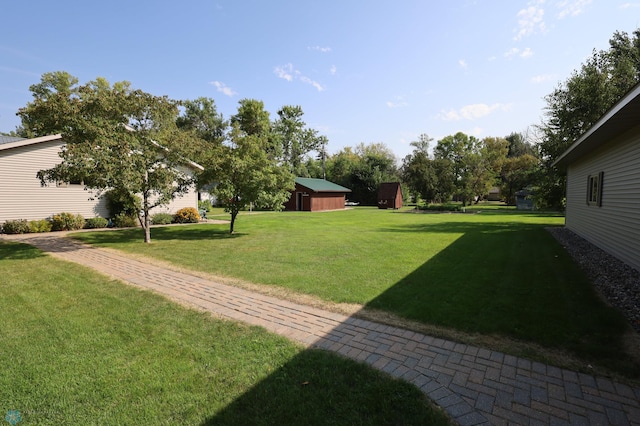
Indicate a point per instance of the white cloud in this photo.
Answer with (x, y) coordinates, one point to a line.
(625, 6)
(223, 88)
(285, 71)
(569, 8)
(289, 73)
(530, 19)
(472, 112)
(399, 102)
(514, 51)
(320, 49)
(463, 64)
(333, 70)
(542, 78)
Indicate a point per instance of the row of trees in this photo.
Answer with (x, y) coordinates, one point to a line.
(132, 142)
(136, 143)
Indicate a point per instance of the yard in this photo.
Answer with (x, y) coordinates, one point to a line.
(494, 278)
(78, 348)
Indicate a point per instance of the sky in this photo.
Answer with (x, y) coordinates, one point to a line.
(363, 71)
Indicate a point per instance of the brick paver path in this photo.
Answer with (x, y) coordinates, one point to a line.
(474, 385)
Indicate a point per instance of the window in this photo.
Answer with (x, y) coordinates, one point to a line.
(594, 189)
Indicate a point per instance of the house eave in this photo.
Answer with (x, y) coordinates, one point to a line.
(27, 142)
(623, 116)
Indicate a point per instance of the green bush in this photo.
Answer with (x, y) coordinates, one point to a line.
(67, 222)
(120, 201)
(42, 225)
(20, 226)
(442, 207)
(186, 215)
(161, 218)
(123, 220)
(96, 222)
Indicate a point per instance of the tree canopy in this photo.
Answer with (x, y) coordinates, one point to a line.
(115, 138)
(578, 103)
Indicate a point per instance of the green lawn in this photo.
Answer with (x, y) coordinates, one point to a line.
(497, 272)
(78, 348)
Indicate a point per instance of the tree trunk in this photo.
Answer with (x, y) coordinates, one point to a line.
(233, 221)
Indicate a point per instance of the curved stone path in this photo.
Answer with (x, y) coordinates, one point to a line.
(473, 385)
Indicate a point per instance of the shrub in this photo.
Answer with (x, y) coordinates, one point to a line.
(66, 222)
(96, 222)
(187, 215)
(442, 207)
(20, 226)
(120, 201)
(41, 225)
(123, 220)
(161, 218)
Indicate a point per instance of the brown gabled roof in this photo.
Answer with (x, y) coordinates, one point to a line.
(389, 190)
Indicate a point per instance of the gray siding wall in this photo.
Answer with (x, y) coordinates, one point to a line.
(614, 227)
(22, 196)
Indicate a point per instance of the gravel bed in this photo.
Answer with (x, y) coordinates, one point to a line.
(615, 280)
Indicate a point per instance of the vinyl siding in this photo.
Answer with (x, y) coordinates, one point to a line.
(22, 196)
(615, 226)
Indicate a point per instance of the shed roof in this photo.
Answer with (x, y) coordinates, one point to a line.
(388, 190)
(321, 185)
(620, 118)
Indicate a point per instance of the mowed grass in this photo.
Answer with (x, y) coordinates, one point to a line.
(78, 348)
(498, 272)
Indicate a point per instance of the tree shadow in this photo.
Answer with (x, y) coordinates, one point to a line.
(18, 251)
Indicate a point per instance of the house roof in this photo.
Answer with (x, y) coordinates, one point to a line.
(18, 142)
(7, 139)
(388, 190)
(321, 185)
(620, 118)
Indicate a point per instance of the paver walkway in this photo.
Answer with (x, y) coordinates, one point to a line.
(473, 385)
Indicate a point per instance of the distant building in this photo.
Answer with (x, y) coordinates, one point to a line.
(390, 195)
(312, 195)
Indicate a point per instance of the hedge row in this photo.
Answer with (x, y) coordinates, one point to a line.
(70, 222)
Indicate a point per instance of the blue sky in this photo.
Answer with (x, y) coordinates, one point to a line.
(362, 70)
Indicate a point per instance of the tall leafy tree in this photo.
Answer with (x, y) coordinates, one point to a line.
(115, 138)
(295, 139)
(247, 175)
(577, 104)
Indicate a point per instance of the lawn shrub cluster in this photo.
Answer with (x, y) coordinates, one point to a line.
(67, 222)
(442, 207)
(96, 223)
(20, 226)
(124, 220)
(161, 219)
(59, 222)
(186, 215)
(42, 225)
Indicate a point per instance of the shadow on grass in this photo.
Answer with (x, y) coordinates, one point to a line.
(164, 233)
(17, 251)
(317, 388)
(510, 279)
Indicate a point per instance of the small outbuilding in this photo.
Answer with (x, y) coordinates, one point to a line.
(603, 181)
(390, 195)
(312, 195)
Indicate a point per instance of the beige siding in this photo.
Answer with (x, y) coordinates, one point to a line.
(614, 227)
(22, 196)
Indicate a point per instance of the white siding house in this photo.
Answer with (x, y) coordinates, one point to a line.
(22, 196)
(603, 181)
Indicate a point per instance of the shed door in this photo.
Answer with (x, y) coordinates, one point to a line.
(299, 201)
